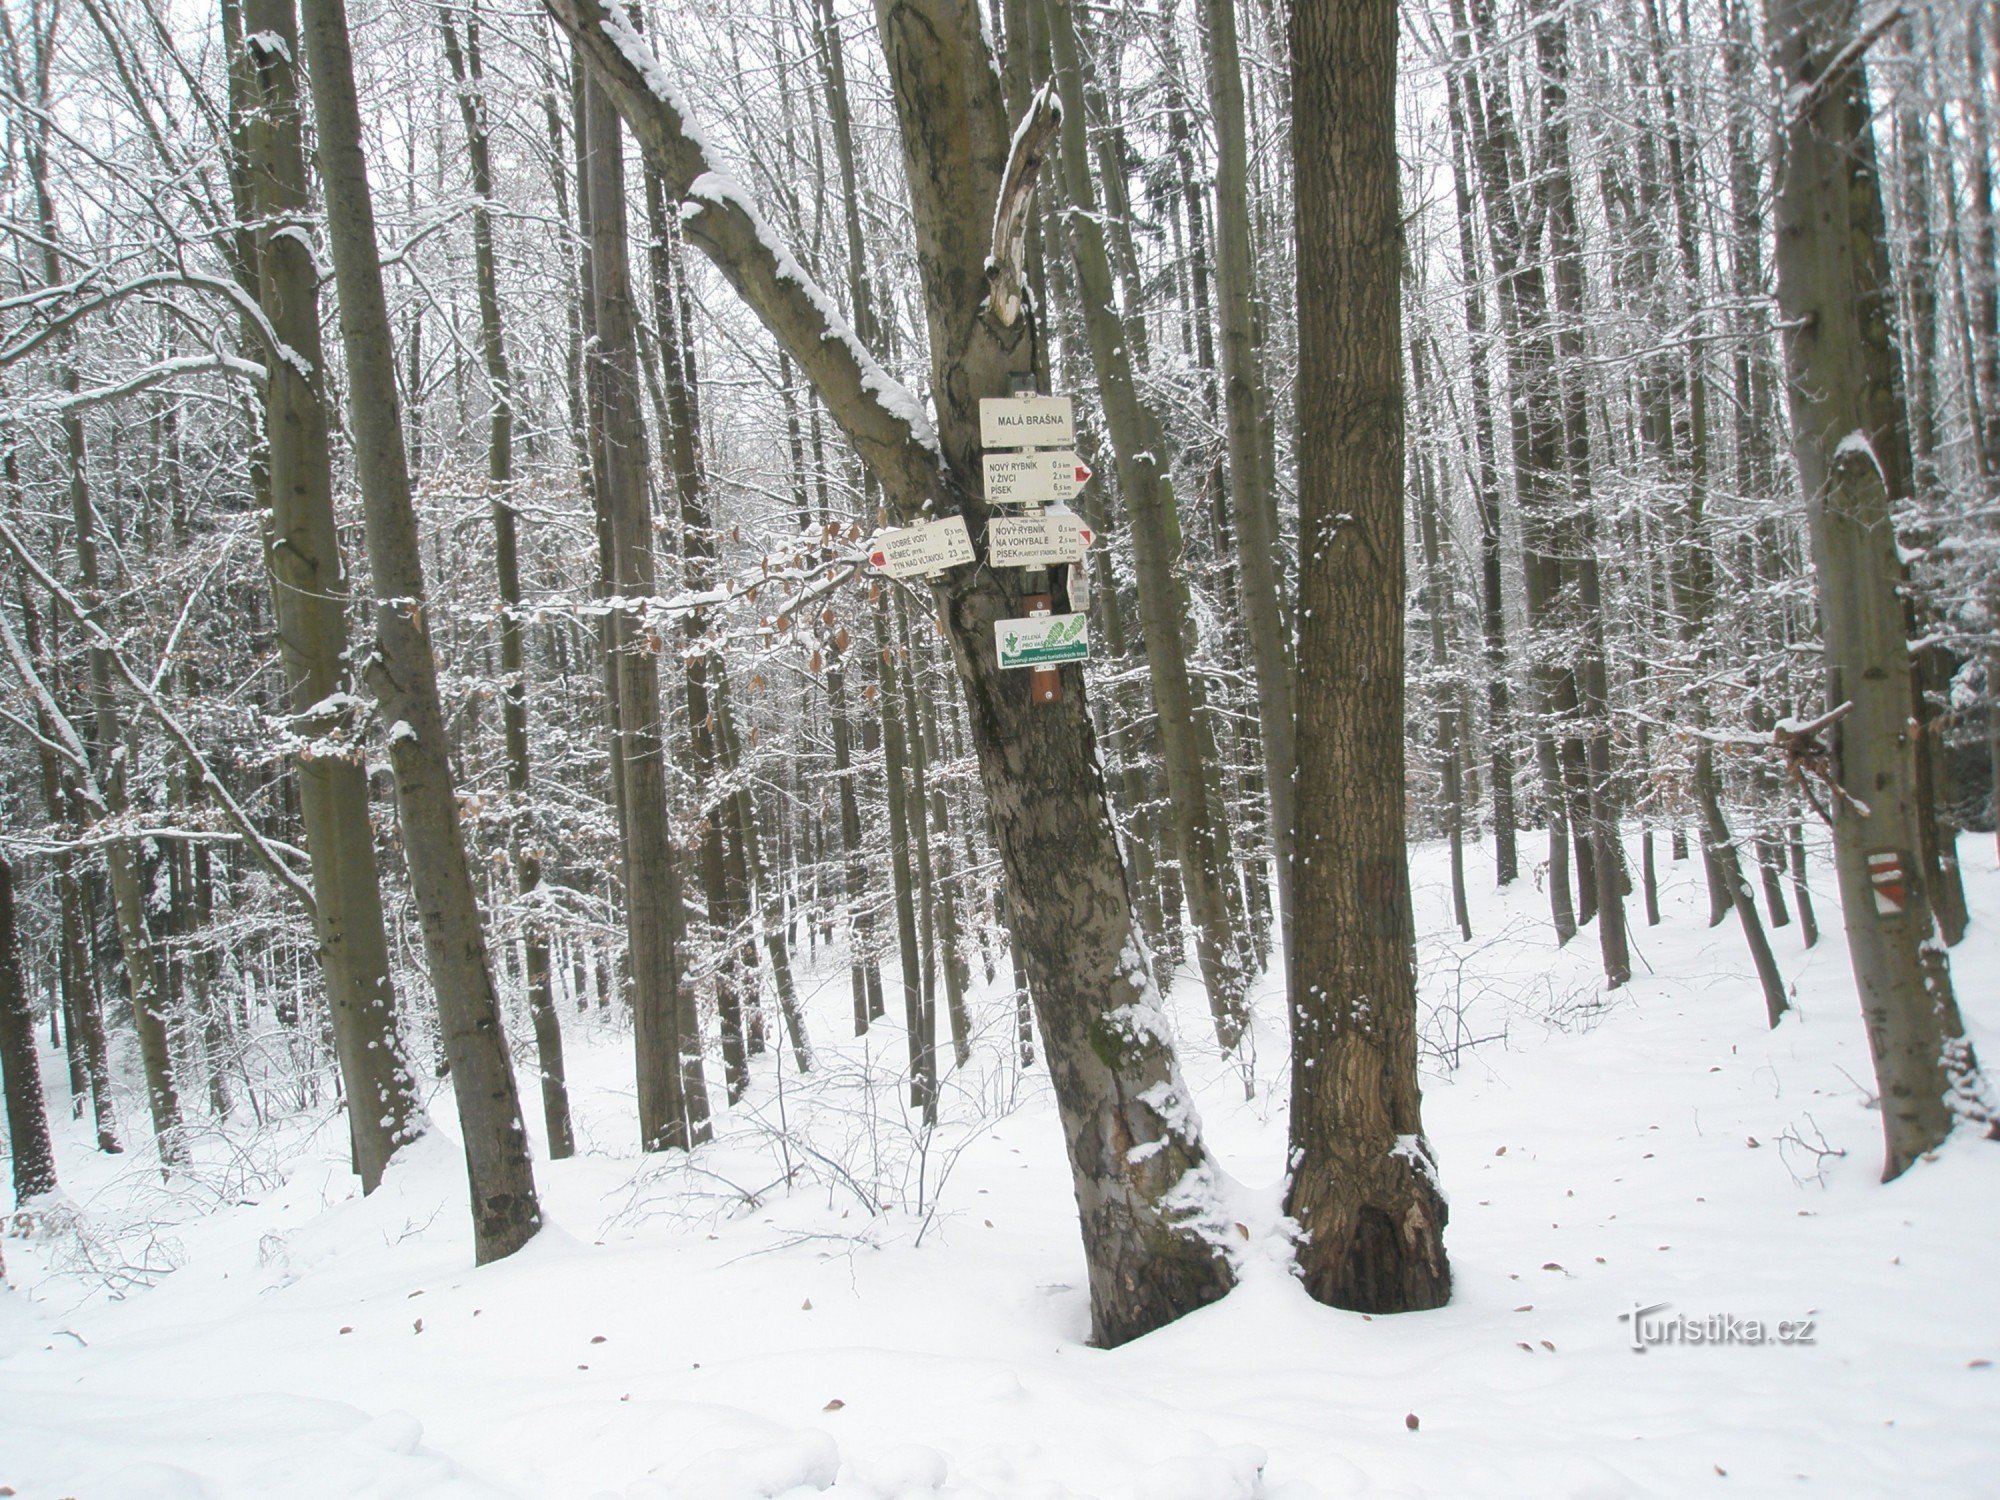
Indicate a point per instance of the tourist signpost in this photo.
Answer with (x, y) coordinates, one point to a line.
(1037, 466)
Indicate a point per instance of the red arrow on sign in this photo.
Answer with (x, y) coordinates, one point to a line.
(1082, 474)
(879, 559)
(1087, 534)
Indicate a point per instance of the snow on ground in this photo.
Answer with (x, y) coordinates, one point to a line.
(694, 1330)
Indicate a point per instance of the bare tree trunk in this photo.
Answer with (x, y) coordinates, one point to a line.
(918, 1027)
(466, 73)
(771, 917)
(20, 1066)
(1139, 444)
(402, 672)
(1831, 286)
(864, 969)
(309, 596)
(1364, 1186)
(1437, 597)
(1694, 557)
(1484, 481)
(1534, 423)
(1602, 811)
(669, 1115)
(1249, 464)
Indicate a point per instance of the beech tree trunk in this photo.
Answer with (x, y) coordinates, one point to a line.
(309, 591)
(1832, 284)
(402, 673)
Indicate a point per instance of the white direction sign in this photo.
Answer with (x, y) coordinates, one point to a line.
(1042, 640)
(1033, 478)
(914, 551)
(1025, 422)
(1036, 541)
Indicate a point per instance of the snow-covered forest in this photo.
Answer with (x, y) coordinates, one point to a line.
(969, 749)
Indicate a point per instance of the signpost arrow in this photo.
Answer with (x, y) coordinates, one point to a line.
(914, 551)
(1034, 478)
(1036, 541)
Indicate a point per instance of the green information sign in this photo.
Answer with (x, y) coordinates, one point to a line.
(1042, 640)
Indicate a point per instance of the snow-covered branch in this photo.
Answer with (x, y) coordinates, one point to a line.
(884, 419)
(263, 849)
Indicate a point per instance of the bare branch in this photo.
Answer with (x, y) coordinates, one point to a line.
(266, 853)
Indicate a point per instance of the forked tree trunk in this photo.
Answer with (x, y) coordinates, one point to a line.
(402, 673)
(1140, 1172)
(1364, 1185)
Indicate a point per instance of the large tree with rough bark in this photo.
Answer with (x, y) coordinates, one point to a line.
(1364, 1186)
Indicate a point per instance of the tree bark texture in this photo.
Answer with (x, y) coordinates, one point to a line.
(1364, 1185)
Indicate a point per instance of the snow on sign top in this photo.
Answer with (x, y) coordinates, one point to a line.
(1025, 422)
